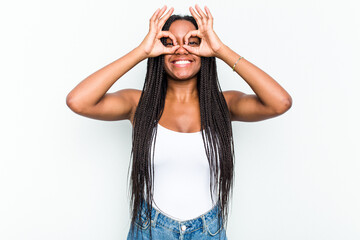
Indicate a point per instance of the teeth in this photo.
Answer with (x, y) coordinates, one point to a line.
(182, 62)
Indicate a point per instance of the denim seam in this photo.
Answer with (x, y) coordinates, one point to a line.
(160, 224)
(143, 226)
(215, 218)
(219, 230)
(153, 222)
(204, 224)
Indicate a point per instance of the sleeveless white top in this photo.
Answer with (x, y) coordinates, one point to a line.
(181, 175)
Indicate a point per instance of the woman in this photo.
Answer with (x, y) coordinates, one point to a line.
(182, 153)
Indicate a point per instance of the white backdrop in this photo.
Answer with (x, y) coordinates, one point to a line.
(64, 176)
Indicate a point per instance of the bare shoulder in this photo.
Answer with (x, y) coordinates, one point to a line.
(115, 106)
(230, 96)
(133, 96)
(248, 107)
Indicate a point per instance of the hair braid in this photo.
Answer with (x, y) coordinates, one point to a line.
(216, 133)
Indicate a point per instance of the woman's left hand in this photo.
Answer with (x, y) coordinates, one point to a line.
(210, 42)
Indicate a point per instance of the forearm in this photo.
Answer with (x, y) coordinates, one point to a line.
(270, 93)
(90, 91)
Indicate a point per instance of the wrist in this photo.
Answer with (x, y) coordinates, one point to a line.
(141, 53)
(221, 52)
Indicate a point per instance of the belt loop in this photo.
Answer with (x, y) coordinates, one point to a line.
(153, 222)
(204, 223)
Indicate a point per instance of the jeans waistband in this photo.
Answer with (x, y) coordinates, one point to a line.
(185, 226)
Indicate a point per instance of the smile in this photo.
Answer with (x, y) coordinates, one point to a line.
(181, 63)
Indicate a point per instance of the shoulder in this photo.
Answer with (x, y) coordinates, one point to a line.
(130, 94)
(232, 95)
(133, 96)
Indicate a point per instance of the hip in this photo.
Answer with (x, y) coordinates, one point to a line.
(206, 226)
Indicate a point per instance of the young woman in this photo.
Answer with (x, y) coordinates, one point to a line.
(182, 143)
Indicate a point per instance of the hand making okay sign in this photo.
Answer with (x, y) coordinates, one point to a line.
(210, 42)
(152, 45)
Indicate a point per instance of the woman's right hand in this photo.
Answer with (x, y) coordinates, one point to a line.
(152, 45)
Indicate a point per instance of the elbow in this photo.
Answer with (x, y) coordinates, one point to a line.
(284, 106)
(73, 105)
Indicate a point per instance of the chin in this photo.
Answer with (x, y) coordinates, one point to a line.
(182, 76)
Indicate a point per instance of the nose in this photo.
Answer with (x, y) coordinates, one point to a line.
(181, 50)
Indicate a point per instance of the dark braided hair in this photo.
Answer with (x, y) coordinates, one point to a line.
(216, 132)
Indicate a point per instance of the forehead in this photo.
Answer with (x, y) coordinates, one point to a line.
(181, 27)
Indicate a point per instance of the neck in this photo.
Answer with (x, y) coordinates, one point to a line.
(182, 90)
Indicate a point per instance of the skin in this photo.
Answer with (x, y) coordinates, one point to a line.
(181, 71)
(182, 109)
(182, 112)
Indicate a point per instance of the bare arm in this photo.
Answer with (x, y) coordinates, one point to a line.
(270, 99)
(89, 97)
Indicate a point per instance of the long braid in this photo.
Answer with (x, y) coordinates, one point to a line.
(218, 141)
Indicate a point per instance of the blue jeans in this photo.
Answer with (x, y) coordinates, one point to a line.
(163, 227)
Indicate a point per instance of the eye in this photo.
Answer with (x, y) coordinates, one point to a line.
(168, 42)
(193, 43)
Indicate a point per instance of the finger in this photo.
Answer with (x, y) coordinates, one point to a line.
(171, 50)
(195, 15)
(152, 19)
(165, 18)
(194, 33)
(154, 15)
(202, 14)
(211, 19)
(208, 12)
(191, 50)
(160, 13)
(169, 35)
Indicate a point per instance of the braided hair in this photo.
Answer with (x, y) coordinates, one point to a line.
(216, 132)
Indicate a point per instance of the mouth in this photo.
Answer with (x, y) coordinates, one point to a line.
(181, 63)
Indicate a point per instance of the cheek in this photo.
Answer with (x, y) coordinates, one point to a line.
(166, 67)
(198, 65)
(166, 62)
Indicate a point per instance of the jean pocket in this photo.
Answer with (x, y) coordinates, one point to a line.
(143, 222)
(214, 227)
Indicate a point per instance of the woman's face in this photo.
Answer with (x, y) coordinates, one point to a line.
(182, 65)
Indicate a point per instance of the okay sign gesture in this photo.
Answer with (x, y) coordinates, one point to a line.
(210, 42)
(152, 45)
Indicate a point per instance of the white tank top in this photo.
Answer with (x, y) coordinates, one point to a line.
(181, 175)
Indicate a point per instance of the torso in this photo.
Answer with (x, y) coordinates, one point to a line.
(179, 117)
(175, 168)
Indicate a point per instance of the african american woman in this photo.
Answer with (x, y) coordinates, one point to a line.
(182, 157)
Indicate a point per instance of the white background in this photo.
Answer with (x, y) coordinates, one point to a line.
(64, 176)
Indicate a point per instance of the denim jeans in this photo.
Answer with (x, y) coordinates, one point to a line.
(163, 227)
